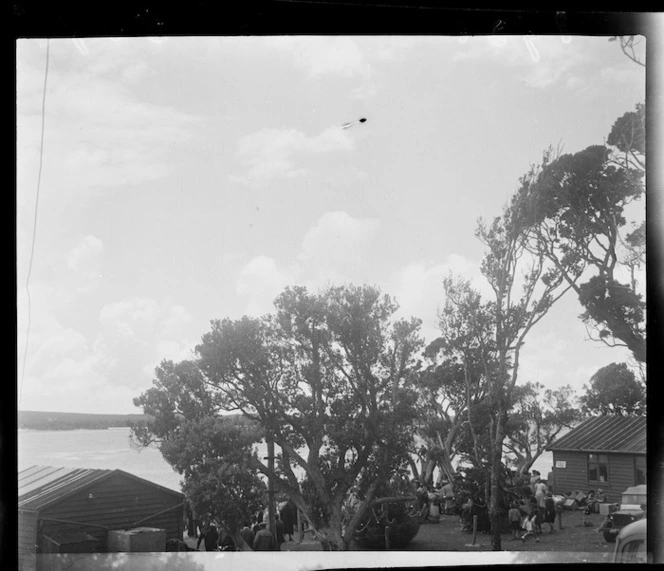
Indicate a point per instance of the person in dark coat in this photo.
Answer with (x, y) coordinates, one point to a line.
(549, 510)
(247, 534)
(481, 510)
(255, 525)
(280, 531)
(209, 537)
(535, 510)
(288, 515)
(264, 541)
(191, 521)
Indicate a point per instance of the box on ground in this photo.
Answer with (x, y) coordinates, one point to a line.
(570, 504)
(138, 539)
(606, 509)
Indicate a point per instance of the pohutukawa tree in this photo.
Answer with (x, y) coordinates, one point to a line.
(614, 389)
(524, 289)
(537, 417)
(575, 214)
(328, 379)
(212, 452)
(454, 385)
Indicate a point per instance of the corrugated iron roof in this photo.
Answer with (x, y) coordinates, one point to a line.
(619, 434)
(39, 486)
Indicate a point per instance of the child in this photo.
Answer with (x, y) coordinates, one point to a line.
(515, 519)
(529, 526)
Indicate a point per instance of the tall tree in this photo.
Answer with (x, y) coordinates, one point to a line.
(614, 389)
(575, 215)
(327, 377)
(212, 452)
(455, 383)
(537, 417)
(508, 268)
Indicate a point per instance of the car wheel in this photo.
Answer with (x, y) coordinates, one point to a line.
(608, 536)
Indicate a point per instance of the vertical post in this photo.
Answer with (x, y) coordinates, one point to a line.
(559, 509)
(300, 526)
(270, 489)
(387, 537)
(474, 528)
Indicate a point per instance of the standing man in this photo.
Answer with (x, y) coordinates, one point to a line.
(264, 541)
(280, 531)
(209, 537)
(247, 534)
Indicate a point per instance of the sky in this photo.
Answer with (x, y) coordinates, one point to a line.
(190, 179)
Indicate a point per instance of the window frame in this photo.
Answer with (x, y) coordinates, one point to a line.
(596, 464)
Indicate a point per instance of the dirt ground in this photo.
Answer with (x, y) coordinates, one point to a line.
(579, 533)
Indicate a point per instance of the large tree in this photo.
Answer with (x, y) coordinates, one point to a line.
(537, 417)
(524, 288)
(327, 378)
(614, 389)
(213, 452)
(575, 213)
(454, 385)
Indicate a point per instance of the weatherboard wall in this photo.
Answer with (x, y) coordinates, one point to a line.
(621, 474)
(27, 539)
(117, 501)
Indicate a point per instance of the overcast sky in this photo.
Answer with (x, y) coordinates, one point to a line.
(189, 179)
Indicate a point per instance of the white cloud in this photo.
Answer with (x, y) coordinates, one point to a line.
(539, 61)
(334, 250)
(277, 153)
(134, 334)
(321, 55)
(418, 288)
(85, 261)
(98, 133)
(260, 281)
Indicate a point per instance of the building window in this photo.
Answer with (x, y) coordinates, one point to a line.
(598, 468)
(639, 470)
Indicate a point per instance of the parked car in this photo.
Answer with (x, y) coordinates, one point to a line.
(633, 502)
(631, 543)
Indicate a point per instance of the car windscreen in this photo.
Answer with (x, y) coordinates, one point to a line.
(633, 499)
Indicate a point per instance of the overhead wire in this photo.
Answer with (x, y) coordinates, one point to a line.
(34, 227)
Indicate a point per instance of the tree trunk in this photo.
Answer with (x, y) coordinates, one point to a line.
(331, 535)
(331, 539)
(428, 475)
(413, 467)
(496, 474)
(446, 461)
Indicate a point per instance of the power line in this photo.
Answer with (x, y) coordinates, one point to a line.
(34, 227)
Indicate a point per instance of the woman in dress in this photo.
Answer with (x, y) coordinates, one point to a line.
(540, 493)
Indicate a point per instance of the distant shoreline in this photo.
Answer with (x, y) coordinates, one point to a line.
(42, 420)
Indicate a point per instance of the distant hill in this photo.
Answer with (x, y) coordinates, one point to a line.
(40, 420)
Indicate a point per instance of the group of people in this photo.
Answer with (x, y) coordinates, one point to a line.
(433, 503)
(529, 515)
(256, 533)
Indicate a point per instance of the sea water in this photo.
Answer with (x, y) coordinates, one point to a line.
(98, 449)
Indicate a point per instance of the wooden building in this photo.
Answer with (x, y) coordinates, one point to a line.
(65, 510)
(603, 452)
